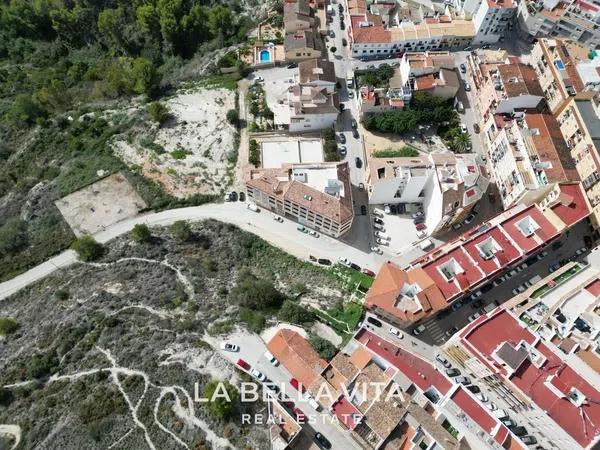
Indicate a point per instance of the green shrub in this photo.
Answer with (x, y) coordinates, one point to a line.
(254, 153)
(158, 112)
(179, 153)
(255, 293)
(323, 347)
(221, 407)
(255, 321)
(87, 248)
(406, 151)
(181, 231)
(8, 325)
(13, 235)
(233, 117)
(295, 313)
(141, 233)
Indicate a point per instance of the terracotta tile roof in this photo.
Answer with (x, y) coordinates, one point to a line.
(313, 70)
(297, 356)
(364, 35)
(520, 79)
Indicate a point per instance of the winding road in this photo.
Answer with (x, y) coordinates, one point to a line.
(283, 235)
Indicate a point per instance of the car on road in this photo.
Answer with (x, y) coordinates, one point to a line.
(258, 375)
(469, 219)
(361, 186)
(476, 128)
(463, 128)
(463, 380)
(453, 372)
(373, 321)
(342, 138)
(363, 210)
(243, 364)
(382, 241)
(242, 196)
(313, 233)
(324, 261)
(420, 226)
(342, 150)
(451, 331)
(344, 42)
(297, 385)
(358, 162)
(396, 332)
(233, 196)
(377, 250)
(344, 261)
(417, 331)
(292, 66)
(322, 441)
(457, 305)
(467, 87)
(331, 33)
(277, 218)
(554, 267)
(354, 124)
(252, 206)
(463, 68)
(342, 25)
(378, 221)
(302, 228)
(228, 347)
(271, 358)
(355, 267)
(443, 361)
(473, 316)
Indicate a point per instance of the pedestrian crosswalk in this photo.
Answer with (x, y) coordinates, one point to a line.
(436, 333)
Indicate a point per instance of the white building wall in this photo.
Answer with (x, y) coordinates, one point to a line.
(312, 122)
(384, 191)
(433, 204)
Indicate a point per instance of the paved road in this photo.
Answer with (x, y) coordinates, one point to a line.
(283, 235)
(252, 350)
(437, 326)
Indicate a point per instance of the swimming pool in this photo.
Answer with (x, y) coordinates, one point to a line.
(265, 55)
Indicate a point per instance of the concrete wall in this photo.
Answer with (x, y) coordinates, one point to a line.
(312, 122)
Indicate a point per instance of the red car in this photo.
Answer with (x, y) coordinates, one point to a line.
(300, 416)
(420, 226)
(243, 364)
(368, 272)
(296, 385)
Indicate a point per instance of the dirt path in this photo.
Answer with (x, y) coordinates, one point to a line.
(242, 161)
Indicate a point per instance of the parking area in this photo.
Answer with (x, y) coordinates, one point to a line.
(396, 233)
(277, 81)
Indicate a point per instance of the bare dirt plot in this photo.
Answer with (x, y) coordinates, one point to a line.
(189, 154)
(101, 204)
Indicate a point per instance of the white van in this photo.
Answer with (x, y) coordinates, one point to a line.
(426, 244)
(500, 414)
(252, 207)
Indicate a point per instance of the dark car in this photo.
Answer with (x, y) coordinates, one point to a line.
(243, 364)
(451, 331)
(342, 25)
(322, 441)
(418, 220)
(342, 138)
(463, 68)
(324, 261)
(589, 243)
(355, 134)
(477, 304)
(355, 266)
(292, 66)
(377, 220)
(233, 196)
(342, 107)
(476, 128)
(487, 288)
(519, 431)
(242, 196)
(374, 321)
(358, 162)
(474, 389)
(344, 42)
(452, 372)
(363, 210)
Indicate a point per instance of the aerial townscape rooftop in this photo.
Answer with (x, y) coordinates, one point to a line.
(300, 224)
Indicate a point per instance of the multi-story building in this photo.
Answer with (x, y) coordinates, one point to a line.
(492, 18)
(573, 19)
(527, 155)
(431, 72)
(377, 100)
(458, 268)
(447, 186)
(557, 72)
(317, 73)
(562, 409)
(316, 195)
(580, 126)
(297, 16)
(303, 44)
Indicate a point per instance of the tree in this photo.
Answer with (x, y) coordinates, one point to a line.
(141, 233)
(181, 231)
(219, 20)
(111, 23)
(5, 396)
(233, 117)
(24, 111)
(145, 78)
(293, 312)
(87, 248)
(158, 112)
(8, 325)
(222, 397)
(13, 236)
(253, 153)
(323, 347)
(255, 293)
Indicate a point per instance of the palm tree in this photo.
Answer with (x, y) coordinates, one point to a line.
(461, 143)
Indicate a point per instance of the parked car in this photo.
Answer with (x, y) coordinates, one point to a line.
(242, 196)
(474, 389)
(396, 332)
(463, 68)
(233, 196)
(292, 66)
(373, 321)
(361, 186)
(476, 128)
(482, 397)
(451, 331)
(344, 42)
(324, 261)
(271, 358)
(417, 331)
(344, 261)
(418, 220)
(417, 214)
(342, 138)
(378, 227)
(554, 267)
(542, 254)
(358, 162)
(259, 79)
(453, 372)
(381, 235)
(363, 210)
(368, 272)
(302, 228)
(477, 304)
(355, 267)
(354, 124)
(378, 221)
(463, 380)
(331, 33)
(377, 250)
(467, 87)
(529, 440)
(469, 218)
(457, 305)
(228, 347)
(342, 150)
(243, 364)
(473, 317)
(387, 209)
(355, 132)
(478, 294)
(258, 375)
(277, 218)
(420, 226)
(252, 206)
(322, 441)
(381, 241)
(443, 361)
(297, 385)
(581, 251)
(313, 233)
(519, 431)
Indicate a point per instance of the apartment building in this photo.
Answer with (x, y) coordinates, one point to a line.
(455, 269)
(562, 408)
(302, 45)
(317, 73)
(557, 72)
(492, 18)
(297, 16)
(580, 126)
(447, 186)
(433, 72)
(576, 20)
(377, 100)
(527, 155)
(369, 37)
(316, 195)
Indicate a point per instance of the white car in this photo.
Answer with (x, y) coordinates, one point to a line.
(417, 331)
(386, 209)
(396, 332)
(344, 261)
(377, 250)
(421, 234)
(467, 87)
(443, 361)
(463, 128)
(228, 347)
(381, 241)
(378, 227)
(477, 294)
(482, 397)
(381, 235)
(259, 79)
(277, 218)
(252, 207)
(473, 317)
(313, 233)
(258, 375)
(271, 358)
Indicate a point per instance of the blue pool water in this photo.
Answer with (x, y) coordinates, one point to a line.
(559, 64)
(264, 55)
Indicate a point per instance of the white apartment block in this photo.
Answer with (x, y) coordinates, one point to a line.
(492, 18)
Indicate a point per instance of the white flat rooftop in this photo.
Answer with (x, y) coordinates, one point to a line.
(319, 177)
(277, 153)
